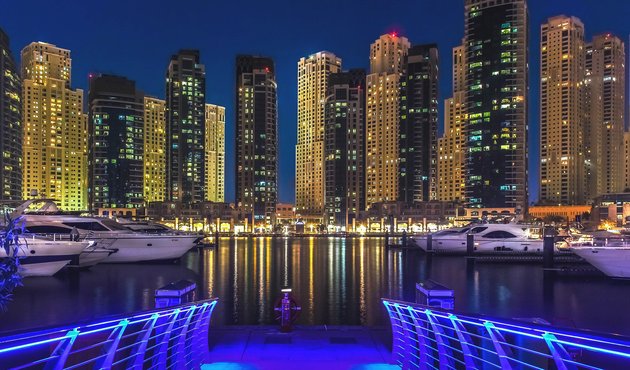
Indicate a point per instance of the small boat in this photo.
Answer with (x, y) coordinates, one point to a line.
(44, 256)
(487, 237)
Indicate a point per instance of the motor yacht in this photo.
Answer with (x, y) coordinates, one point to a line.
(131, 246)
(42, 256)
(613, 260)
(488, 238)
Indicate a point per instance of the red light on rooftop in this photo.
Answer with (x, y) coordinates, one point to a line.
(267, 69)
(394, 34)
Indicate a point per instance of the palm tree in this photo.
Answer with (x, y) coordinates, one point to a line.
(10, 265)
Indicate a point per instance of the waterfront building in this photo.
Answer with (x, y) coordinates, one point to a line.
(387, 61)
(256, 135)
(344, 148)
(185, 128)
(605, 100)
(562, 63)
(55, 128)
(417, 133)
(215, 153)
(115, 143)
(313, 73)
(496, 40)
(569, 213)
(154, 150)
(452, 145)
(10, 123)
(399, 216)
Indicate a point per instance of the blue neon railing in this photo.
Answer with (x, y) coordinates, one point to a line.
(174, 337)
(432, 338)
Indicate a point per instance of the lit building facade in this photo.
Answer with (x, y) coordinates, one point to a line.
(185, 128)
(154, 150)
(387, 60)
(313, 73)
(452, 145)
(215, 153)
(115, 143)
(344, 149)
(605, 100)
(562, 62)
(417, 143)
(10, 124)
(55, 129)
(626, 151)
(496, 40)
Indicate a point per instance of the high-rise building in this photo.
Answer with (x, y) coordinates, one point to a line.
(496, 40)
(115, 143)
(344, 148)
(215, 153)
(256, 110)
(185, 128)
(562, 58)
(626, 151)
(313, 73)
(387, 60)
(55, 128)
(417, 143)
(451, 150)
(154, 150)
(605, 104)
(452, 146)
(10, 124)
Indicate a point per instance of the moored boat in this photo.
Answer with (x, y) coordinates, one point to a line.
(44, 256)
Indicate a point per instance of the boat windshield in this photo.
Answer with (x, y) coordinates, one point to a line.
(113, 225)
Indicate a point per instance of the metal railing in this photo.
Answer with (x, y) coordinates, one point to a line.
(171, 338)
(432, 338)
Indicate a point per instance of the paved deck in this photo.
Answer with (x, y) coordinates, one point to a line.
(306, 348)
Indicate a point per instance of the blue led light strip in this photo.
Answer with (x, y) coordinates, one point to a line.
(178, 337)
(429, 337)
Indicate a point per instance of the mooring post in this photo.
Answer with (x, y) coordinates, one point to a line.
(548, 249)
(430, 243)
(386, 238)
(470, 244)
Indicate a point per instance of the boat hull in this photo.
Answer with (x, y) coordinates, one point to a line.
(614, 262)
(42, 268)
(482, 245)
(148, 247)
(42, 257)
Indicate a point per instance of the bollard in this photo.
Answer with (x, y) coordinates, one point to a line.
(548, 249)
(216, 238)
(433, 294)
(430, 243)
(470, 244)
(386, 239)
(287, 311)
(174, 294)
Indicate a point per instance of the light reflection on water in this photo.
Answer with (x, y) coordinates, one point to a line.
(336, 281)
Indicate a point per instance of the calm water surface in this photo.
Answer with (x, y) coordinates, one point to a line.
(336, 281)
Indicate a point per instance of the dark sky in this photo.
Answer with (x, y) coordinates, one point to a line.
(135, 38)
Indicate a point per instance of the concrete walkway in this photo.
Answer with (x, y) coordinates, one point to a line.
(306, 348)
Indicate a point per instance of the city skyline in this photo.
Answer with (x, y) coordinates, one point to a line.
(355, 55)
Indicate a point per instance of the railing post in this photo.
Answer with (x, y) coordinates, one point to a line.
(398, 339)
(497, 341)
(202, 326)
(180, 360)
(143, 342)
(111, 347)
(443, 350)
(422, 335)
(558, 352)
(62, 351)
(465, 342)
(160, 359)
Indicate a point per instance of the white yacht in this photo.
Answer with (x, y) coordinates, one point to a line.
(488, 238)
(131, 246)
(44, 256)
(613, 260)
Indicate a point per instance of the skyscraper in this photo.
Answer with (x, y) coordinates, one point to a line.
(562, 167)
(496, 39)
(313, 73)
(452, 146)
(256, 171)
(185, 128)
(417, 165)
(55, 128)
(116, 143)
(10, 124)
(605, 101)
(154, 150)
(344, 149)
(387, 57)
(215, 153)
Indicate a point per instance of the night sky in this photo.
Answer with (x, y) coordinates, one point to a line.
(136, 38)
